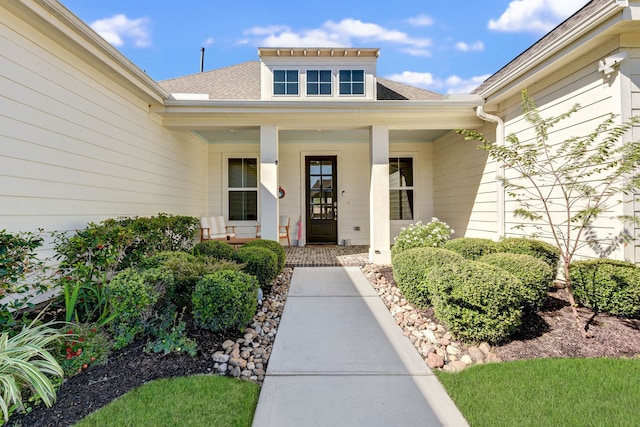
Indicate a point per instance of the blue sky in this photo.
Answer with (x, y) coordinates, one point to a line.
(444, 46)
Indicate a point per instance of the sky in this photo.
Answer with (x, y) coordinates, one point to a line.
(448, 47)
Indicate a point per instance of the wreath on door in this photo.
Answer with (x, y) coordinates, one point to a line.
(281, 193)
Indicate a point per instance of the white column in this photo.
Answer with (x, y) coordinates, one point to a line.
(269, 209)
(379, 214)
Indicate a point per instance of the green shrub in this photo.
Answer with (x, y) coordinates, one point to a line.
(536, 276)
(187, 272)
(470, 247)
(214, 248)
(259, 262)
(478, 302)
(159, 259)
(410, 270)
(133, 296)
(272, 245)
(607, 286)
(537, 248)
(225, 300)
(419, 235)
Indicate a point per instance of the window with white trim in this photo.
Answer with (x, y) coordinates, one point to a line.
(285, 82)
(401, 188)
(319, 82)
(242, 185)
(351, 82)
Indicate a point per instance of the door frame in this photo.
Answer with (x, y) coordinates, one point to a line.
(304, 196)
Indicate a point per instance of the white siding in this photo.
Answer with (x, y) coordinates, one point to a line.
(465, 186)
(633, 68)
(76, 146)
(582, 84)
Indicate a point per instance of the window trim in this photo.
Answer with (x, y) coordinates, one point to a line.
(414, 187)
(331, 82)
(364, 82)
(273, 82)
(227, 188)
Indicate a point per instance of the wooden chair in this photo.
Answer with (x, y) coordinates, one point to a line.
(214, 228)
(283, 229)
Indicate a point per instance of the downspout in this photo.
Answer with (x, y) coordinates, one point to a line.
(500, 168)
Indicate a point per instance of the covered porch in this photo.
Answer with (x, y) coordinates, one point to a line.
(344, 173)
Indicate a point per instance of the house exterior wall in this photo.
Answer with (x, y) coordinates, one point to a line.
(581, 83)
(465, 195)
(351, 147)
(77, 146)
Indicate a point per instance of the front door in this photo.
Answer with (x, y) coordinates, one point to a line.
(322, 205)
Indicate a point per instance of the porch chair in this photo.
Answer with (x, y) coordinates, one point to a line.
(283, 229)
(214, 228)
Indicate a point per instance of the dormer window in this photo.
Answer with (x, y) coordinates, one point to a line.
(285, 82)
(351, 82)
(318, 82)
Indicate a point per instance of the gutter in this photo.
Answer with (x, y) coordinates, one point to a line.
(499, 168)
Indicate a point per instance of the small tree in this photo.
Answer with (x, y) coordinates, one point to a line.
(563, 187)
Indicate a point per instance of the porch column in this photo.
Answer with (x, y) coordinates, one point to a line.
(269, 209)
(379, 214)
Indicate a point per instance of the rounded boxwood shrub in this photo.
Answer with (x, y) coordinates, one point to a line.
(410, 270)
(259, 262)
(225, 300)
(433, 235)
(187, 271)
(607, 286)
(477, 301)
(272, 245)
(536, 276)
(471, 247)
(133, 296)
(537, 248)
(214, 248)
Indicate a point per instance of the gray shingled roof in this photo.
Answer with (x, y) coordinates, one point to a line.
(544, 42)
(242, 82)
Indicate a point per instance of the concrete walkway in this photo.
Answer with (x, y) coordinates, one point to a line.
(339, 359)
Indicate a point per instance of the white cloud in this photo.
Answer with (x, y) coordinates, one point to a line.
(208, 42)
(119, 28)
(450, 85)
(538, 16)
(466, 47)
(335, 34)
(417, 52)
(413, 78)
(421, 21)
(455, 84)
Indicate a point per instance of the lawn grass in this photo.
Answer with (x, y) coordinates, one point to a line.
(200, 400)
(548, 392)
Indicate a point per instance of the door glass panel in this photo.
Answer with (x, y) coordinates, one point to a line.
(326, 168)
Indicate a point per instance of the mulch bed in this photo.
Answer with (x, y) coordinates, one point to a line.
(551, 332)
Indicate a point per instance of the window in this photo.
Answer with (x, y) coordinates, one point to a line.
(285, 82)
(351, 82)
(319, 82)
(243, 189)
(401, 188)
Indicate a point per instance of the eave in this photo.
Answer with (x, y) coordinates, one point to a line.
(62, 26)
(458, 112)
(519, 74)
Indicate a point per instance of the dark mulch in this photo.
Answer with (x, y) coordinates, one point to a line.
(125, 370)
(552, 332)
